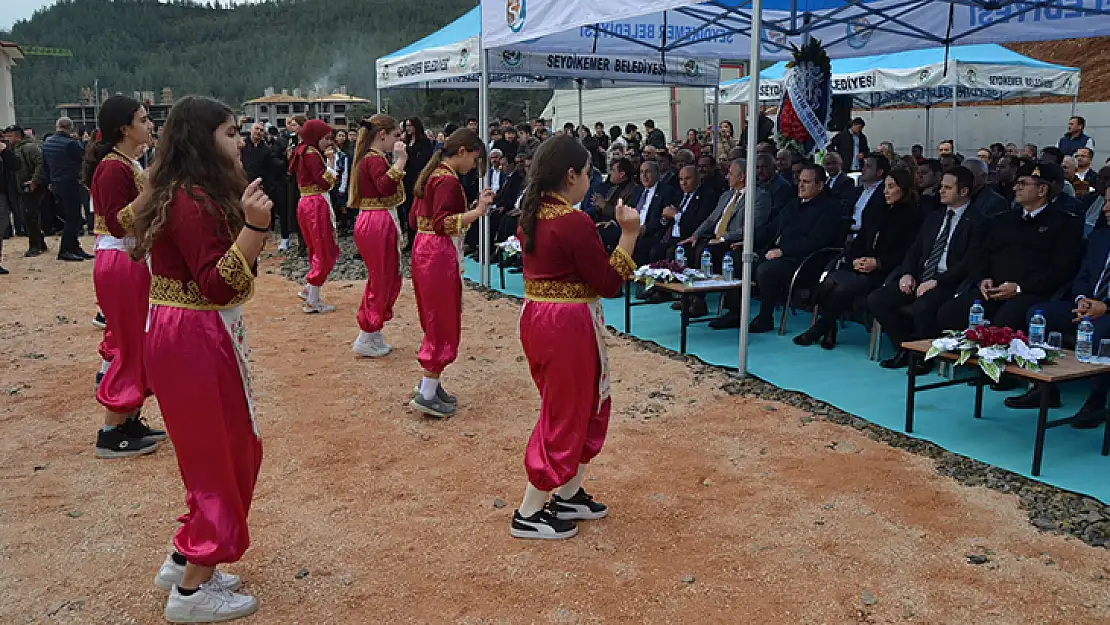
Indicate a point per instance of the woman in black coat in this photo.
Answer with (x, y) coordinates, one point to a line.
(420, 149)
(886, 234)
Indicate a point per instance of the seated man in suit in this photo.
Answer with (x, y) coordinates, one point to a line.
(680, 222)
(1026, 256)
(622, 188)
(709, 174)
(654, 197)
(723, 230)
(870, 190)
(984, 199)
(1095, 201)
(840, 186)
(933, 269)
(1090, 295)
(807, 225)
(780, 191)
(928, 177)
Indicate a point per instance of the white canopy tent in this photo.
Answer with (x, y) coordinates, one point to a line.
(847, 28)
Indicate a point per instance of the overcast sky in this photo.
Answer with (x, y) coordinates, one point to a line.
(15, 10)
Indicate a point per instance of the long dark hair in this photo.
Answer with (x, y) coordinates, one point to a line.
(549, 169)
(905, 181)
(460, 139)
(116, 113)
(188, 158)
(419, 134)
(367, 132)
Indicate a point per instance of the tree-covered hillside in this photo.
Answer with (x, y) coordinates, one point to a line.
(235, 53)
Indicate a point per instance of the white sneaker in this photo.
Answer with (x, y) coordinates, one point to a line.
(284, 245)
(171, 573)
(209, 604)
(374, 348)
(318, 307)
(303, 294)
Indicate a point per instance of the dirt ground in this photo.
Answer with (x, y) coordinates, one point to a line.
(723, 509)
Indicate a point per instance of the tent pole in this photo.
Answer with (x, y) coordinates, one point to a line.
(483, 128)
(378, 98)
(955, 114)
(717, 121)
(580, 115)
(1074, 101)
(749, 198)
(928, 140)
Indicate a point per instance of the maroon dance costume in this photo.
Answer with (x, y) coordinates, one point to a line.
(314, 213)
(122, 285)
(437, 266)
(562, 330)
(196, 359)
(378, 237)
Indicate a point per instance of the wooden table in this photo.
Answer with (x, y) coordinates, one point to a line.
(1064, 369)
(686, 294)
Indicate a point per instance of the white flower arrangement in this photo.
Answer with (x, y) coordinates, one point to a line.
(993, 348)
(666, 272)
(509, 247)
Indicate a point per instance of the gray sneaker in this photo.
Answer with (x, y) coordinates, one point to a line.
(434, 407)
(441, 394)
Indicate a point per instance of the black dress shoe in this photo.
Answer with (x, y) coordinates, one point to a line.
(4, 272)
(759, 325)
(698, 308)
(829, 340)
(83, 254)
(1006, 383)
(1031, 399)
(731, 320)
(1091, 415)
(70, 257)
(923, 367)
(676, 305)
(900, 360)
(33, 252)
(809, 337)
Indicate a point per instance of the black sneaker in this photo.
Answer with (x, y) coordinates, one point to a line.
(99, 377)
(115, 444)
(98, 321)
(541, 525)
(580, 507)
(136, 427)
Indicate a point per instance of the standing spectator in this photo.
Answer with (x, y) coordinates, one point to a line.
(886, 148)
(945, 148)
(507, 144)
(726, 138)
(526, 141)
(632, 138)
(344, 218)
(602, 138)
(655, 136)
(30, 179)
(292, 192)
(1074, 138)
(62, 162)
(262, 159)
(851, 144)
(9, 195)
(917, 151)
(692, 143)
(419, 150)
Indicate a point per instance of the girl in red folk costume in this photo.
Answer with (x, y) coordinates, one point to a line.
(376, 192)
(122, 285)
(315, 176)
(204, 232)
(440, 217)
(563, 334)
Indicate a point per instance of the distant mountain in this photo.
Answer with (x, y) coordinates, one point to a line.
(235, 53)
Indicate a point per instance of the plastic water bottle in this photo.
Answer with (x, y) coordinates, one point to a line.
(1083, 340)
(1037, 328)
(727, 267)
(680, 256)
(707, 263)
(975, 316)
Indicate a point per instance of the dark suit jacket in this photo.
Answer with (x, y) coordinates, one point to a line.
(509, 191)
(1040, 255)
(1086, 281)
(843, 189)
(665, 195)
(700, 207)
(842, 144)
(877, 201)
(1070, 205)
(965, 243)
(886, 234)
(806, 227)
(989, 203)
